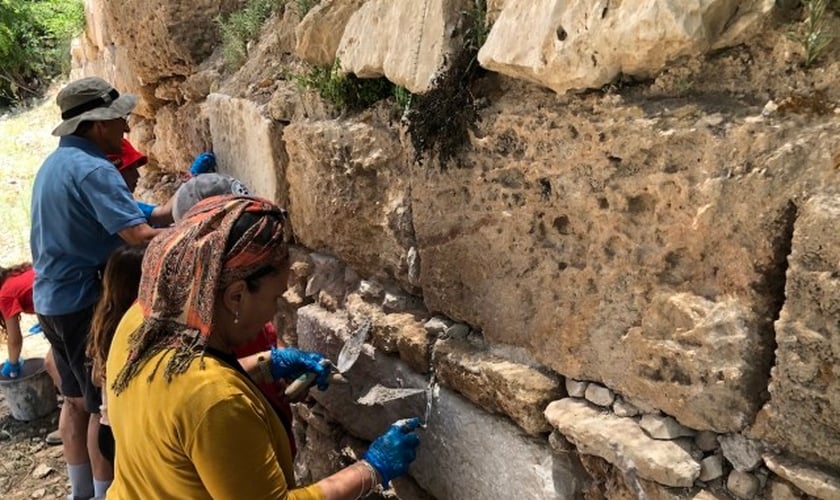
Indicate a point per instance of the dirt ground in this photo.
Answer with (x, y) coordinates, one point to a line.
(29, 468)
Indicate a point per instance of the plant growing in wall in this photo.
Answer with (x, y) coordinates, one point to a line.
(815, 37)
(238, 28)
(345, 91)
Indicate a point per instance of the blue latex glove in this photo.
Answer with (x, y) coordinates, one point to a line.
(290, 363)
(393, 452)
(203, 163)
(36, 328)
(12, 370)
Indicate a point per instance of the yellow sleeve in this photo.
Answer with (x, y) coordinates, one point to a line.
(232, 454)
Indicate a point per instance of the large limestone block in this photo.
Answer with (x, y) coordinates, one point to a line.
(623, 443)
(319, 33)
(496, 384)
(347, 185)
(408, 41)
(577, 45)
(248, 145)
(165, 37)
(558, 230)
(694, 357)
(468, 453)
(803, 414)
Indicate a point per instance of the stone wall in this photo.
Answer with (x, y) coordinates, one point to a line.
(626, 292)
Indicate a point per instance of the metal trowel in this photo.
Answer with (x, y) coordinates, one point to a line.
(346, 358)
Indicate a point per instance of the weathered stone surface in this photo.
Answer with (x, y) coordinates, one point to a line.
(496, 384)
(164, 37)
(744, 454)
(175, 146)
(803, 414)
(697, 356)
(711, 468)
(663, 427)
(346, 186)
(621, 441)
(742, 484)
(425, 31)
(538, 251)
(578, 45)
(319, 33)
(457, 459)
(248, 146)
(327, 276)
(812, 480)
(598, 394)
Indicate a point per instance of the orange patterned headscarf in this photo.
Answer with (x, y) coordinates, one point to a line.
(184, 269)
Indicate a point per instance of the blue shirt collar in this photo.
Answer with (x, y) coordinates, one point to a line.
(74, 141)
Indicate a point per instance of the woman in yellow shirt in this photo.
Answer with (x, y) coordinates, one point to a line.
(187, 419)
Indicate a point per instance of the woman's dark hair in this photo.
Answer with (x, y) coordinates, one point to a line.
(120, 285)
(6, 273)
(243, 224)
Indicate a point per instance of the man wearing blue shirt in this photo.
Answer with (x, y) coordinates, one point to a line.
(81, 211)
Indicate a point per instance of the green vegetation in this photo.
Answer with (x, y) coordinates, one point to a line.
(402, 98)
(305, 6)
(478, 28)
(35, 40)
(345, 91)
(240, 27)
(816, 36)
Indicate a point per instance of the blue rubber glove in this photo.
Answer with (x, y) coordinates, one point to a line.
(393, 452)
(290, 363)
(36, 328)
(12, 370)
(203, 163)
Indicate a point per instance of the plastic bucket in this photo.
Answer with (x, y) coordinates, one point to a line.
(31, 395)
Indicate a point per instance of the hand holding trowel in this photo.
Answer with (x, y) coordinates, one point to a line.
(346, 358)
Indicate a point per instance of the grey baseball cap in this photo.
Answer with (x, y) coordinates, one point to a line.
(204, 186)
(90, 99)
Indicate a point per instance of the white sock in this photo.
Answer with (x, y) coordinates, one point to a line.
(81, 480)
(100, 488)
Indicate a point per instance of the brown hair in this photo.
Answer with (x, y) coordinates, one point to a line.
(6, 273)
(120, 283)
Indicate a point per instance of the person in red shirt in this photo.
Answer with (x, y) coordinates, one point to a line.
(15, 298)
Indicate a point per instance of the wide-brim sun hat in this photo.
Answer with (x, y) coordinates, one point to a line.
(90, 99)
(204, 186)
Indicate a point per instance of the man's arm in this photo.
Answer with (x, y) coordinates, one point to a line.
(161, 215)
(141, 233)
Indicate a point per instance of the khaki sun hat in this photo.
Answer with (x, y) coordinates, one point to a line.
(90, 99)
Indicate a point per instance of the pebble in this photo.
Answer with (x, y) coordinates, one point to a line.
(742, 484)
(599, 395)
(576, 388)
(711, 468)
(42, 471)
